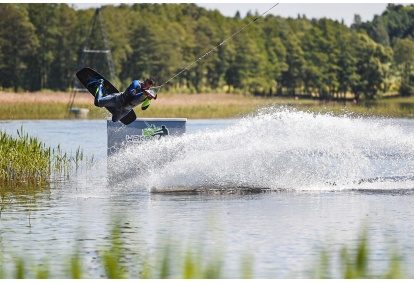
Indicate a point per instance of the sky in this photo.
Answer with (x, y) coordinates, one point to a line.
(343, 11)
(332, 10)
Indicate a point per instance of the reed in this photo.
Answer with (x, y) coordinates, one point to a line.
(354, 263)
(23, 159)
(115, 261)
(27, 160)
(21, 111)
(195, 106)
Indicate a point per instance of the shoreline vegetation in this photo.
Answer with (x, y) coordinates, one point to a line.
(55, 105)
(28, 166)
(26, 162)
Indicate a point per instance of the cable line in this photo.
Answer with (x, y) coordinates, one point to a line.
(215, 47)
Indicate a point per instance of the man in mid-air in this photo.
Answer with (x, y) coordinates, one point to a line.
(139, 92)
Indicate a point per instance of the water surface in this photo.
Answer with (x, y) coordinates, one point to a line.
(322, 180)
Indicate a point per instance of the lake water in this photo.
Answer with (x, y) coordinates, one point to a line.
(320, 180)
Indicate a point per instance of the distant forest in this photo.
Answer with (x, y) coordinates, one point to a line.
(41, 46)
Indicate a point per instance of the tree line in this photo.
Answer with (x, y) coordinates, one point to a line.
(41, 46)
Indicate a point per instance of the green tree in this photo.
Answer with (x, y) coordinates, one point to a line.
(293, 76)
(316, 68)
(347, 61)
(206, 37)
(276, 51)
(118, 23)
(18, 43)
(65, 60)
(41, 44)
(397, 21)
(404, 61)
(47, 29)
(248, 68)
(276, 54)
(372, 66)
(380, 31)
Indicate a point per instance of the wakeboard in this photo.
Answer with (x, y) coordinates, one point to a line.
(86, 75)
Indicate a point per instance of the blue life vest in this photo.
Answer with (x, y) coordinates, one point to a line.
(134, 96)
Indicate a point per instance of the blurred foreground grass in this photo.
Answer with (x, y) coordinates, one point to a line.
(115, 263)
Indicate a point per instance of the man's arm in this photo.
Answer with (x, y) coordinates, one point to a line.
(149, 93)
(130, 92)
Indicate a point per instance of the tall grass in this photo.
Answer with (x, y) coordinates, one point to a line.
(19, 111)
(27, 160)
(115, 263)
(28, 166)
(355, 263)
(219, 107)
(23, 159)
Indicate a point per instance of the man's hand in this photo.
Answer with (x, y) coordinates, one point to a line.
(149, 94)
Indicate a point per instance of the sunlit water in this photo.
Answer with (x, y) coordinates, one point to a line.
(321, 179)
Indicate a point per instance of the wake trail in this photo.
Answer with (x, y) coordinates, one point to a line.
(276, 148)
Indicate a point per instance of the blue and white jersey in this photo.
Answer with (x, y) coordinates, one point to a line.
(134, 94)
